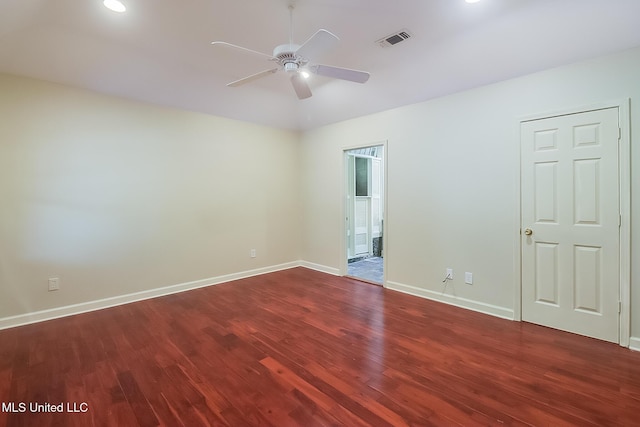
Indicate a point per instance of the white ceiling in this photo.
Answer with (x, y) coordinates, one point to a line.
(159, 51)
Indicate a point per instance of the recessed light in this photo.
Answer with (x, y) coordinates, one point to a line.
(304, 74)
(114, 5)
(472, 1)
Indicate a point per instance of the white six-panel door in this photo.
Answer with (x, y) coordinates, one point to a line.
(570, 223)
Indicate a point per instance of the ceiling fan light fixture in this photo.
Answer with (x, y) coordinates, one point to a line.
(290, 67)
(114, 5)
(472, 1)
(305, 74)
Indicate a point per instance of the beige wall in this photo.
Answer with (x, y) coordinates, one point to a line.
(116, 197)
(452, 188)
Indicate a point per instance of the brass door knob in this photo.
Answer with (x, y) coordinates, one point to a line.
(528, 231)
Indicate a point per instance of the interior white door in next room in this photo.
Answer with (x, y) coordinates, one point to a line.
(571, 223)
(364, 203)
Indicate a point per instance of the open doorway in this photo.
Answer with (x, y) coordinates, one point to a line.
(364, 207)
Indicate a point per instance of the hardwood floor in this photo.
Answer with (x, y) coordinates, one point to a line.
(298, 347)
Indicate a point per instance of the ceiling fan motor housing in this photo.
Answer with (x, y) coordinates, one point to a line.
(287, 58)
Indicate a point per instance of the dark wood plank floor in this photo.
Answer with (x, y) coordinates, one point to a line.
(299, 347)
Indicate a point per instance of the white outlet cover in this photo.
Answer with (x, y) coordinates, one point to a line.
(54, 283)
(468, 278)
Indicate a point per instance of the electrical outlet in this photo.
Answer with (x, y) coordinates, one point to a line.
(252, 253)
(468, 278)
(449, 273)
(54, 283)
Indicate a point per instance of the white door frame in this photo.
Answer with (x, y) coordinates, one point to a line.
(344, 268)
(624, 180)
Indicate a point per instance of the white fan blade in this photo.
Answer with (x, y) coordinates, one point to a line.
(317, 44)
(340, 73)
(300, 86)
(244, 49)
(252, 77)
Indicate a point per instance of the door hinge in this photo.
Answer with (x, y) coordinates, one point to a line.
(619, 220)
(619, 133)
(619, 307)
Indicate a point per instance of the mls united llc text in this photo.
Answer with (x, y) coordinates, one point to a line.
(35, 407)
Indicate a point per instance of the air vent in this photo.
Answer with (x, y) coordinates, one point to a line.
(394, 38)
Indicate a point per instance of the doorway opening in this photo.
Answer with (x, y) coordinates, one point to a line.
(364, 208)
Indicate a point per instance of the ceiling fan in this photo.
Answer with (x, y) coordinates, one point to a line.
(297, 60)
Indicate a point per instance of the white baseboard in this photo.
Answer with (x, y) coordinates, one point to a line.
(69, 310)
(634, 343)
(319, 267)
(481, 307)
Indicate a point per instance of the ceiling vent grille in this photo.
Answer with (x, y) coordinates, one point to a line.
(395, 38)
